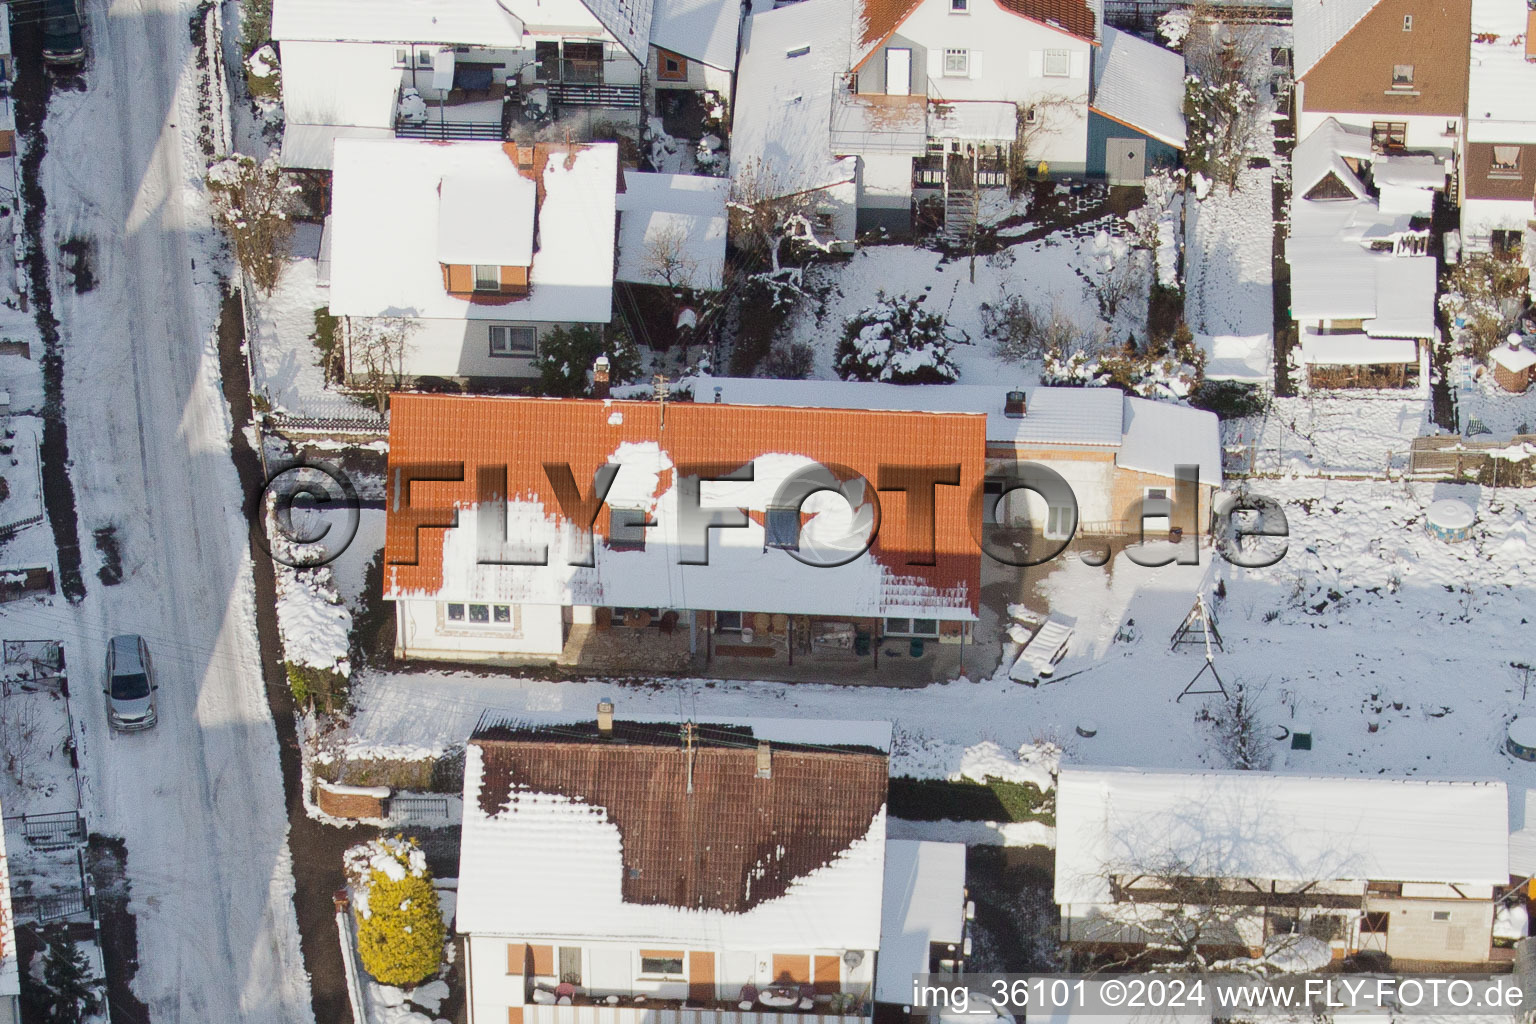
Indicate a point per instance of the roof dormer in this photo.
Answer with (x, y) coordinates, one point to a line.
(485, 234)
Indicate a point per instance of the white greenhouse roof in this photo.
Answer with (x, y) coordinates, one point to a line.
(1355, 350)
(385, 219)
(1247, 358)
(1261, 825)
(790, 64)
(662, 212)
(1500, 82)
(974, 120)
(702, 30)
(467, 202)
(1161, 435)
(574, 851)
(1320, 24)
(1072, 416)
(924, 902)
(1419, 171)
(1140, 84)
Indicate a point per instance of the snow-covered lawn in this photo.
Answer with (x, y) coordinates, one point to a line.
(1055, 273)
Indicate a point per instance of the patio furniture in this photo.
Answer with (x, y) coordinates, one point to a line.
(779, 997)
(1039, 656)
(565, 990)
(748, 997)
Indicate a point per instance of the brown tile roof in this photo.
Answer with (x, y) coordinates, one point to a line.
(736, 841)
(522, 434)
(883, 17)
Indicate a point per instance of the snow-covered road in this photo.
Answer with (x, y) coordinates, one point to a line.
(199, 799)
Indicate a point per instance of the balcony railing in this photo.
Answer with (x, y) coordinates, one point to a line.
(928, 172)
(658, 1011)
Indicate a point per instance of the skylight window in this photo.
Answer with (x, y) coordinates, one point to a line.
(799, 51)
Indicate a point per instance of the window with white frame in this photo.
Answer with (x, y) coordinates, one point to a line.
(656, 963)
(473, 615)
(1407, 23)
(901, 626)
(728, 622)
(402, 57)
(1059, 521)
(957, 63)
(959, 6)
(1152, 497)
(626, 528)
(487, 277)
(423, 59)
(781, 528)
(513, 341)
(1402, 76)
(1505, 162)
(1058, 63)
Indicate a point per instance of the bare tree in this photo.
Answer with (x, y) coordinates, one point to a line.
(765, 213)
(1237, 729)
(376, 348)
(1221, 107)
(251, 203)
(666, 257)
(21, 740)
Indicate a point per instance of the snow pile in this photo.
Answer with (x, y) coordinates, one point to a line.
(315, 623)
(1509, 922)
(263, 62)
(225, 172)
(1034, 764)
(1174, 26)
(1296, 954)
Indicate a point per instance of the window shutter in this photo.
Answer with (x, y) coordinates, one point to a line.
(975, 63)
(935, 62)
(1079, 64)
(1036, 63)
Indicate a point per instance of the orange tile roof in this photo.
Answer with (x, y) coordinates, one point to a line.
(883, 17)
(441, 432)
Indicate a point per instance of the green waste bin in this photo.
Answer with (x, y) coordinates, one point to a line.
(860, 642)
(916, 647)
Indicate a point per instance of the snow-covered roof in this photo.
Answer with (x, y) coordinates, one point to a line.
(386, 220)
(1522, 841)
(1335, 272)
(332, 92)
(480, 22)
(1320, 24)
(664, 567)
(1262, 825)
(799, 868)
(1513, 358)
(662, 213)
(702, 30)
(1355, 350)
(1417, 171)
(5, 36)
(1161, 435)
(1237, 357)
(974, 120)
(1501, 81)
(10, 970)
(790, 66)
(467, 202)
(924, 902)
(1065, 416)
(1141, 85)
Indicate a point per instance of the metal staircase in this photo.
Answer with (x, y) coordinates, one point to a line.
(960, 199)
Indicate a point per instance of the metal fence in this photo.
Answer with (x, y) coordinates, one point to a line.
(57, 830)
(413, 807)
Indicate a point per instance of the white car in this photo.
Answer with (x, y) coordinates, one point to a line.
(130, 686)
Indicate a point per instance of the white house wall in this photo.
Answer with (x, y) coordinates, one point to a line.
(886, 182)
(424, 631)
(462, 348)
(1424, 132)
(1006, 64)
(1480, 217)
(1092, 483)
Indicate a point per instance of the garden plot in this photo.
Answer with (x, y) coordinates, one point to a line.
(21, 474)
(1359, 433)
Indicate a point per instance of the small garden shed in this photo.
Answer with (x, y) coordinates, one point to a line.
(1136, 111)
(1512, 364)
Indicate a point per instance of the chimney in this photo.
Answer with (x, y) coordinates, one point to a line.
(764, 760)
(718, 390)
(605, 719)
(1530, 34)
(600, 377)
(1013, 405)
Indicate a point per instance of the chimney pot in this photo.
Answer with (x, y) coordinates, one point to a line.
(1014, 405)
(605, 718)
(764, 760)
(600, 377)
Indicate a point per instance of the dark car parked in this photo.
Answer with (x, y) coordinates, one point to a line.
(63, 40)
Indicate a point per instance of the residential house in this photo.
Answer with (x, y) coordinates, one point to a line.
(1407, 867)
(615, 871)
(1499, 167)
(356, 69)
(1115, 451)
(1362, 278)
(1396, 68)
(925, 916)
(781, 582)
(1136, 113)
(480, 248)
(10, 963)
(887, 104)
(672, 230)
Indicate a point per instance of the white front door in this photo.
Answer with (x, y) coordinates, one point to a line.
(898, 72)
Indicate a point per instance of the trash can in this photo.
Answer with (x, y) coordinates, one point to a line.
(916, 647)
(860, 642)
